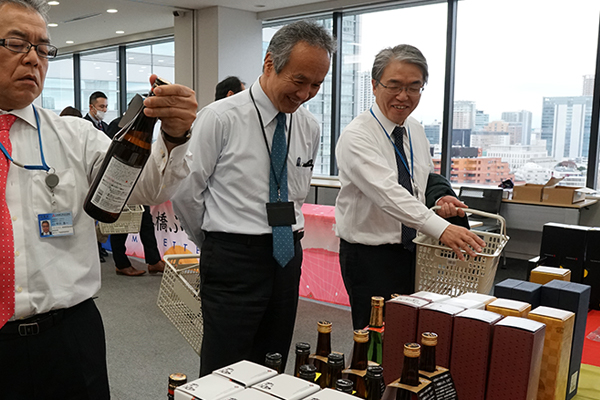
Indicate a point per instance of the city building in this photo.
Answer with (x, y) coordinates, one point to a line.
(482, 170)
(485, 139)
(518, 155)
(481, 120)
(588, 85)
(464, 114)
(433, 132)
(521, 121)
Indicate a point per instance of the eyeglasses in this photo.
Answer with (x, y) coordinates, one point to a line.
(411, 90)
(23, 46)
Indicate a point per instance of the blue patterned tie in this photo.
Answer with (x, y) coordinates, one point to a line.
(283, 238)
(408, 234)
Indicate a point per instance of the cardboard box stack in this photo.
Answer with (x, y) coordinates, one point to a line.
(209, 387)
(564, 246)
(439, 318)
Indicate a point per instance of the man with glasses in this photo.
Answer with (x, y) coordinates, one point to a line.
(52, 341)
(98, 106)
(384, 164)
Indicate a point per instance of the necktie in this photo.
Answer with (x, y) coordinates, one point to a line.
(283, 238)
(7, 253)
(408, 234)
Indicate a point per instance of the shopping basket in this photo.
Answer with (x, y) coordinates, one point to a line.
(179, 296)
(438, 270)
(129, 221)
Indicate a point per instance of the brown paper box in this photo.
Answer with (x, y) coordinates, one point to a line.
(439, 318)
(471, 341)
(562, 195)
(543, 275)
(509, 308)
(516, 359)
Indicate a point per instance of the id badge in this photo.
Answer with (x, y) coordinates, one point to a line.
(55, 224)
(281, 213)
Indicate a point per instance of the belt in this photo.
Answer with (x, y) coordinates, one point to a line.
(250, 240)
(38, 323)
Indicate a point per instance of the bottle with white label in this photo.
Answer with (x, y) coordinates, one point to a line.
(121, 168)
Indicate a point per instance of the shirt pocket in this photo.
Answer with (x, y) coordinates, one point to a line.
(64, 197)
(299, 182)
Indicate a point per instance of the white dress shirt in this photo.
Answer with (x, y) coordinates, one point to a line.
(58, 272)
(228, 187)
(372, 206)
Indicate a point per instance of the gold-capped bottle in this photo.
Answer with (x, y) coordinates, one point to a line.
(410, 370)
(302, 353)
(121, 168)
(175, 380)
(375, 351)
(323, 345)
(427, 361)
(359, 360)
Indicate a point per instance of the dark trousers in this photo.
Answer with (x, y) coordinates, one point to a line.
(374, 271)
(65, 361)
(249, 302)
(151, 253)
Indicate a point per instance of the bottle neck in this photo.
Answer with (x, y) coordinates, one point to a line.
(410, 371)
(427, 361)
(376, 320)
(324, 344)
(359, 356)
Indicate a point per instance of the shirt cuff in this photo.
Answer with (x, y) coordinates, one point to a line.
(434, 226)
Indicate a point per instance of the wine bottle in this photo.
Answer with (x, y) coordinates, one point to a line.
(344, 385)
(121, 168)
(359, 361)
(428, 345)
(302, 353)
(374, 382)
(308, 372)
(410, 370)
(375, 351)
(335, 365)
(273, 361)
(175, 380)
(323, 346)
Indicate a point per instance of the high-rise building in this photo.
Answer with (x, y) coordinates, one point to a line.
(482, 170)
(365, 92)
(517, 155)
(588, 85)
(566, 123)
(497, 126)
(523, 118)
(481, 120)
(464, 115)
(433, 132)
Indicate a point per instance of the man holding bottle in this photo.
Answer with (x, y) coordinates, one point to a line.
(51, 333)
(251, 173)
(384, 165)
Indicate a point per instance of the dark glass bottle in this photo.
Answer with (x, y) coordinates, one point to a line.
(374, 382)
(428, 345)
(375, 351)
(359, 360)
(121, 168)
(308, 372)
(175, 380)
(302, 353)
(323, 345)
(273, 361)
(344, 385)
(410, 370)
(335, 365)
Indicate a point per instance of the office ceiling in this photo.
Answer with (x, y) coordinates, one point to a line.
(85, 21)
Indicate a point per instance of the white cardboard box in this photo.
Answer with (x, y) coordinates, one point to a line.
(330, 394)
(209, 387)
(287, 387)
(464, 303)
(483, 298)
(246, 373)
(250, 394)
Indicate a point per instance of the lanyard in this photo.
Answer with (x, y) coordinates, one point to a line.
(287, 151)
(412, 163)
(44, 166)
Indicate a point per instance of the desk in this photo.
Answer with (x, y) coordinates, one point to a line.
(525, 223)
(321, 276)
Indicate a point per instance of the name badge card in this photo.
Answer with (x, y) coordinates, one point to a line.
(55, 224)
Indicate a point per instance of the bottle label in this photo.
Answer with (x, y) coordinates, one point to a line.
(115, 186)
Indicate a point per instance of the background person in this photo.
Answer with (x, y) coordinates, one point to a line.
(98, 105)
(228, 87)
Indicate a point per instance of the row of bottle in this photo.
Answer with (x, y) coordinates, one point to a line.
(417, 358)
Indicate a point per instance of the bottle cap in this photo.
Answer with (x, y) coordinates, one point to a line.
(308, 369)
(374, 371)
(335, 360)
(377, 301)
(344, 385)
(273, 358)
(177, 379)
(302, 348)
(394, 295)
(429, 339)
(412, 350)
(361, 336)
(324, 327)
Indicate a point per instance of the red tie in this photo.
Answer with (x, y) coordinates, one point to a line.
(7, 247)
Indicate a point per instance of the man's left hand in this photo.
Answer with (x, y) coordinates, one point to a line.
(450, 207)
(175, 105)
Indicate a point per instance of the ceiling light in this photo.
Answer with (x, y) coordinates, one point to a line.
(161, 60)
(53, 3)
(52, 24)
(120, 32)
(131, 58)
(112, 10)
(70, 42)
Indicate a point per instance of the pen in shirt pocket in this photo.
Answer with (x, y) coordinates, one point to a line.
(308, 164)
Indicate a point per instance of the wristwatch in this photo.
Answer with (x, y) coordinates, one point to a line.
(177, 140)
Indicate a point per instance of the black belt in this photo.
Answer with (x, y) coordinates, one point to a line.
(38, 323)
(250, 240)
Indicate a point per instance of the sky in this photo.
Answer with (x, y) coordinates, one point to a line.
(510, 53)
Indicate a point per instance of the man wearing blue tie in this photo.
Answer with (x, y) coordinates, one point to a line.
(384, 165)
(244, 197)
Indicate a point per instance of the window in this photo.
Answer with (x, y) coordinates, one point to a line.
(100, 72)
(58, 89)
(145, 60)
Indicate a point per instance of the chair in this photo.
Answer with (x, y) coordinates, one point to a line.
(486, 199)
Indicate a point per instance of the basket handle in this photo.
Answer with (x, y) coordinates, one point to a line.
(486, 215)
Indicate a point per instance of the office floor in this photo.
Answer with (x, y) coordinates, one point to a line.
(143, 347)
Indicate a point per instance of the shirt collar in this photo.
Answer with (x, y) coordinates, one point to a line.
(387, 124)
(264, 104)
(26, 114)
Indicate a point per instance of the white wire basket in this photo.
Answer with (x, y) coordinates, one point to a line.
(179, 296)
(129, 221)
(438, 270)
